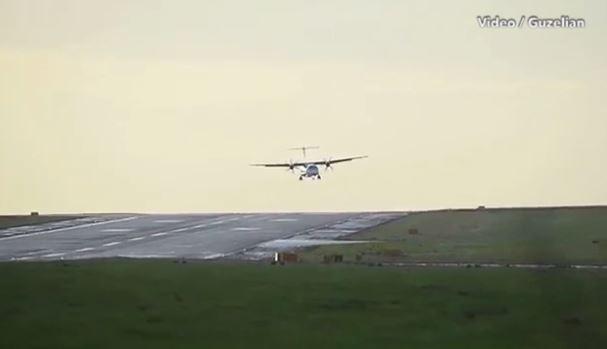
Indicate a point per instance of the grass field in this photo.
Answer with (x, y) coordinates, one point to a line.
(161, 304)
(9, 221)
(551, 235)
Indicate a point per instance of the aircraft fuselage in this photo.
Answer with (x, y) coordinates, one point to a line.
(310, 172)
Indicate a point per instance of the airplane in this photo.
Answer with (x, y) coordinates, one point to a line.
(309, 169)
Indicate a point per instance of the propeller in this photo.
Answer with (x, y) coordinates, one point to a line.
(328, 164)
(291, 165)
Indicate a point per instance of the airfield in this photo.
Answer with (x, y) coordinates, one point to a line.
(157, 281)
(191, 236)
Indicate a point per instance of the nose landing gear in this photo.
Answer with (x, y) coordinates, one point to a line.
(301, 177)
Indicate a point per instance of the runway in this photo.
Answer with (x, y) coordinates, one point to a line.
(198, 236)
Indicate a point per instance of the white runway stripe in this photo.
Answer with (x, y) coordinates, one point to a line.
(159, 234)
(69, 228)
(197, 226)
(27, 258)
(216, 222)
(85, 249)
(245, 228)
(112, 244)
(137, 238)
(116, 230)
(51, 255)
(214, 256)
(31, 253)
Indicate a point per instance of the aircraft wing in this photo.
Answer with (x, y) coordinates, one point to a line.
(335, 161)
(282, 164)
(320, 162)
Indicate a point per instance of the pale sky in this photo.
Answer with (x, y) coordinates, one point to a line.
(159, 106)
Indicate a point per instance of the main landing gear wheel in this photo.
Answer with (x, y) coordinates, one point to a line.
(300, 178)
(318, 176)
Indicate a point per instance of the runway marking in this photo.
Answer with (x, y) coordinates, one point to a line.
(347, 231)
(180, 230)
(214, 256)
(33, 252)
(85, 249)
(51, 255)
(69, 228)
(230, 219)
(137, 238)
(223, 221)
(168, 221)
(217, 222)
(159, 234)
(284, 220)
(117, 229)
(245, 228)
(197, 226)
(112, 244)
(22, 258)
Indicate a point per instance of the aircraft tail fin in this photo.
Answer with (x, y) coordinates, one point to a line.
(304, 148)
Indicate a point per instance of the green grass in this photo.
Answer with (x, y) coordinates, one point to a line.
(553, 235)
(9, 221)
(160, 304)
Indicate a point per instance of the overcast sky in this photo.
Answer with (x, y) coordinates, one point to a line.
(159, 106)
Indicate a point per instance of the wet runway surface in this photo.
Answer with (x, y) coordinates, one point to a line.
(203, 236)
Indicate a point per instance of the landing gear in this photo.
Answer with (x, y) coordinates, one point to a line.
(300, 178)
(318, 176)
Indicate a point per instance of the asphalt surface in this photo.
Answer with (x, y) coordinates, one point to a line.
(203, 236)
